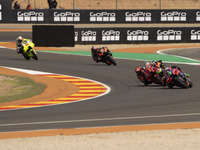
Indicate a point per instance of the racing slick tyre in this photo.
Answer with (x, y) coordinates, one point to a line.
(111, 60)
(158, 80)
(180, 82)
(26, 56)
(190, 84)
(170, 86)
(34, 55)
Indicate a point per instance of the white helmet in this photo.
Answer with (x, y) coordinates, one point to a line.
(20, 38)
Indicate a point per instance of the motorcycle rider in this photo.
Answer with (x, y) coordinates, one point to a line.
(98, 53)
(94, 52)
(19, 43)
(159, 64)
(149, 70)
(168, 72)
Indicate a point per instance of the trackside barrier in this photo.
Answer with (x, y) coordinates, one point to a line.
(137, 35)
(62, 16)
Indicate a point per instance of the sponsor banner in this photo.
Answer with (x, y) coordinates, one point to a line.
(88, 35)
(169, 35)
(62, 16)
(136, 35)
(138, 16)
(66, 16)
(195, 35)
(56, 16)
(110, 35)
(30, 16)
(173, 16)
(102, 16)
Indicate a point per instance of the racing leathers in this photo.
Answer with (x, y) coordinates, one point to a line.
(169, 71)
(100, 53)
(19, 45)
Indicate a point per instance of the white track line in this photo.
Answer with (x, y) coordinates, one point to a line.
(101, 119)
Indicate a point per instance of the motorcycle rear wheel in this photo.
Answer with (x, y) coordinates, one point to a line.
(170, 86)
(158, 80)
(26, 56)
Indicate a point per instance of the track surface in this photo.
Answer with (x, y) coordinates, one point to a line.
(128, 103)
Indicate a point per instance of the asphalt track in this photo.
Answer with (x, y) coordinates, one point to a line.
(128, 103)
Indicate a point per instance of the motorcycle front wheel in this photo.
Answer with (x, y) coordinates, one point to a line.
(111, 60)
(181, 83)
(34, 55)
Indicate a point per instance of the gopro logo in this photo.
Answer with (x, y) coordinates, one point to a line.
(110, 35)
(169, 35)
(137, 35)
(173, 16)
(0, 13)
(137, 16)
(76, 36)
(198, 16)
(30, 16)
(102, 17)
(88, 35)
(195, 35)
(67, 16)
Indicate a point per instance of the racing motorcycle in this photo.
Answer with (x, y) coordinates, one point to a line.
(148, 77)
(178, 78)
(106, 57)
(28, 50)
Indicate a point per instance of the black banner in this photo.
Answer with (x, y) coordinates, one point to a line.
(137, 35)
(101, 16)
(62, 16)
(53, 35)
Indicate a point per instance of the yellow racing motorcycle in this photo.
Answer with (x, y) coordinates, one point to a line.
(28, 50)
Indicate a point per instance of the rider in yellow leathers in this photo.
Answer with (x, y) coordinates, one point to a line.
(22, 44)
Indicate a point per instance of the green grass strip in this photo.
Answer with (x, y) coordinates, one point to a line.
(15, 88)
(136, 56)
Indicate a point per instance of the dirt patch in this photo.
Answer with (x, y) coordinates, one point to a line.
(55, 88)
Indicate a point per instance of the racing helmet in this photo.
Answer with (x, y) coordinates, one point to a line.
(137, 69)
(153, 63)
(20, 38)
(147, 63)
(94, 48)
(159, 70)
